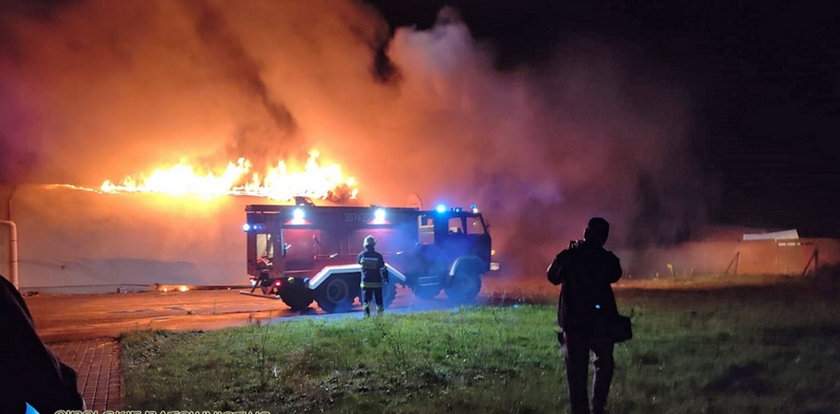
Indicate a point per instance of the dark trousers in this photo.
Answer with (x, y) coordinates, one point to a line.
(576, 349)
(370, 293)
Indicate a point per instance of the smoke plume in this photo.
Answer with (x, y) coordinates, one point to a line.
(103, 89)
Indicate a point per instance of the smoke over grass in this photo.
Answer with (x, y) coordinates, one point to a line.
(100, 90)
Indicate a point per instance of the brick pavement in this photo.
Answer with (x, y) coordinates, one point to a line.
(97, 362)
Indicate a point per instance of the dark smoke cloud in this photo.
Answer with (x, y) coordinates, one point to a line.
(36, 9)
(122, 87)
(239, 65)
(18, 149)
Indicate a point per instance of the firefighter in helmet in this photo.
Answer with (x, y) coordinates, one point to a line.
(374, 276)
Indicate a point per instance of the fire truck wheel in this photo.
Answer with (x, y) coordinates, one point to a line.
(426, 292)
(335, 295)
(295, 294)
(464, 287)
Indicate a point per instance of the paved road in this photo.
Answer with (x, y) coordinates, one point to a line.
(97, 363)
(77, 317)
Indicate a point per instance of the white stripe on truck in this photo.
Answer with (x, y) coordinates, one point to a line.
(328, 271)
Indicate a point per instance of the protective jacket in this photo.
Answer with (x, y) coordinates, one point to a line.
(374, 272)
(586, 298)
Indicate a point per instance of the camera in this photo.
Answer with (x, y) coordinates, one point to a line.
(575, 243)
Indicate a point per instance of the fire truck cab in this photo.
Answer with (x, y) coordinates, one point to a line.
(300, 253)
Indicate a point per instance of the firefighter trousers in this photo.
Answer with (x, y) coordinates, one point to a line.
(369, 295)
(576, 349)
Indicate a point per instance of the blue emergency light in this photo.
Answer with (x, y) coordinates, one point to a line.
(379, 214)
(298, 214)
(246, 227)
(441, 208)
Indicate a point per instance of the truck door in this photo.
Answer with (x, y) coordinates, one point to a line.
(301, 247)
(456, 243)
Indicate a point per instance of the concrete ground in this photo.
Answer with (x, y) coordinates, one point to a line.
(97, 362)
(72, 317)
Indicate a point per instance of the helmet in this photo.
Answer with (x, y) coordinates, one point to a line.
(369, 241)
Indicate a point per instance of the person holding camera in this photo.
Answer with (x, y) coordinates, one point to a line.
(585, 312)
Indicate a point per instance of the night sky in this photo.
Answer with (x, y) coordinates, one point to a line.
(763, 81)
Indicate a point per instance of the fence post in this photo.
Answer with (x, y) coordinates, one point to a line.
(815, 257)
(735, 260)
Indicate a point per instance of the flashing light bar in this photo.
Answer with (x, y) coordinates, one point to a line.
(298, 214)
(379, 216)
(246, 227)
(441, 208)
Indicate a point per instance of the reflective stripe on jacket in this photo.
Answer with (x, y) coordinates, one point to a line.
(374, 272)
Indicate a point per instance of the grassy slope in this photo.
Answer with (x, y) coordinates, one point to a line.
(734, 350)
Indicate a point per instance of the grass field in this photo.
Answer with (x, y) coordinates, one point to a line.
(732, 350)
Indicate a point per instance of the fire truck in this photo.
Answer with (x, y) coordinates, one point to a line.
(302, 252)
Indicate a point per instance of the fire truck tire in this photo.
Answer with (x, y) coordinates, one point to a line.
(426, 292)
(335, 295)
(464, 287)
(296, 295)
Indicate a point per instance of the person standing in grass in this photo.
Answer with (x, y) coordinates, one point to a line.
(374, 275)
(587, 305)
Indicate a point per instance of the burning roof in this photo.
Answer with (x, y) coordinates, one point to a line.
(280, 182)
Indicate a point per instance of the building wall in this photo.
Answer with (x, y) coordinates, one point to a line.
(71, 238)
(741, 257)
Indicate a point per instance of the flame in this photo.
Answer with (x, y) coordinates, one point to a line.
(279, 183)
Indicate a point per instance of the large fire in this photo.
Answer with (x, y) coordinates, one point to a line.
(279, 182)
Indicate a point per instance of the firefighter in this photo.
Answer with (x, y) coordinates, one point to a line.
(374, 276)
(587, 305)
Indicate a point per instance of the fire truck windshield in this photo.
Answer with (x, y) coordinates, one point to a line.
(475, 225)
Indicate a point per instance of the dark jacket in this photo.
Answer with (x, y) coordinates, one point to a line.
(374, 272)
(29, 372)
(586, 298)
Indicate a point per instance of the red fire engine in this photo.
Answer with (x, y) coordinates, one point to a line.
(300, 253)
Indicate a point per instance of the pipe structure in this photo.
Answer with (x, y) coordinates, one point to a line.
(13, 252)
